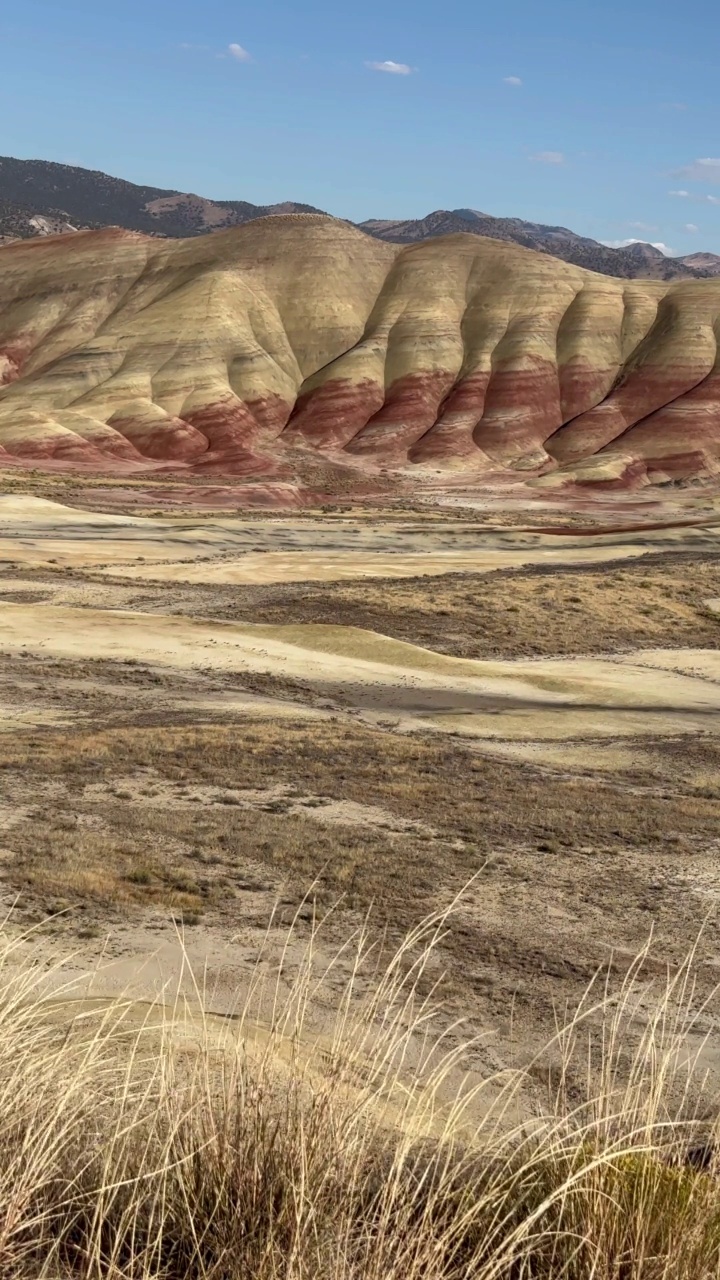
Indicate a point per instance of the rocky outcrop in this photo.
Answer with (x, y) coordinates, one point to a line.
(297, 340)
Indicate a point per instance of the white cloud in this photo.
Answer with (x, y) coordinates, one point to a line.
(690, 226)
(392, 68)
(236, 51)
(624, 244)
(707, 170)
(549, 157)
(686, 195)
(642, 226)
(513, 80)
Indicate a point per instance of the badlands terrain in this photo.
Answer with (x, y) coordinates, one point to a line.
(296, 350)
(343, 576)
(214, 714)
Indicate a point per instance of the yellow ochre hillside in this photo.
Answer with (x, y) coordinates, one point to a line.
(296, 338)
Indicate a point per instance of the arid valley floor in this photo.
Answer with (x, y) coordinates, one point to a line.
(209, 715)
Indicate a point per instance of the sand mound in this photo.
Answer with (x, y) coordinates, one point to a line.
(25, 507)
(651, 692)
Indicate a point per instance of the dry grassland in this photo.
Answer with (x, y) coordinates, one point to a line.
(655, 601)
(214, 822)
(153, 794)
(168, 1147)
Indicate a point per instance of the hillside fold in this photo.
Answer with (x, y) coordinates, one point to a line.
(295, 345)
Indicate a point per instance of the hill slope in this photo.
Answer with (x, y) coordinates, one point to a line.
(297, 341)
(88, 198)
(39, 198)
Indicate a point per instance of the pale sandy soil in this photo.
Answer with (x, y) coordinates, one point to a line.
(674, 692)
(80, 652)
(37, 532)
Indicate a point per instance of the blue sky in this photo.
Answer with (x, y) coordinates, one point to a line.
(585, 115)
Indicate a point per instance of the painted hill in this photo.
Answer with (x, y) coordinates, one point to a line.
(41, 198)
(297, 342)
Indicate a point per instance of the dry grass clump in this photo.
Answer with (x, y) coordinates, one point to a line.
(64, 862)
(165, 1147)
(447, 784)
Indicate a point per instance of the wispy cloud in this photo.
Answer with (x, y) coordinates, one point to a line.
(707, 170)
(548, 157)
(392, 68)
(690, 226)
(642, 226)
(699, 199)
(515, 81)
(236, 51)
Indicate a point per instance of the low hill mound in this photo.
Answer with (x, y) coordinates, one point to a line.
(297, 340)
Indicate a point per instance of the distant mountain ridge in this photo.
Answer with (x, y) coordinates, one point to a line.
(635, 260)
(39, 197)
(87, 198)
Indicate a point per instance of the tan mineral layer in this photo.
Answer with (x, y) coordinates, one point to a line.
(298, 342)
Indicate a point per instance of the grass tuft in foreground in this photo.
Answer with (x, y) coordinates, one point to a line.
(302, 1139)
